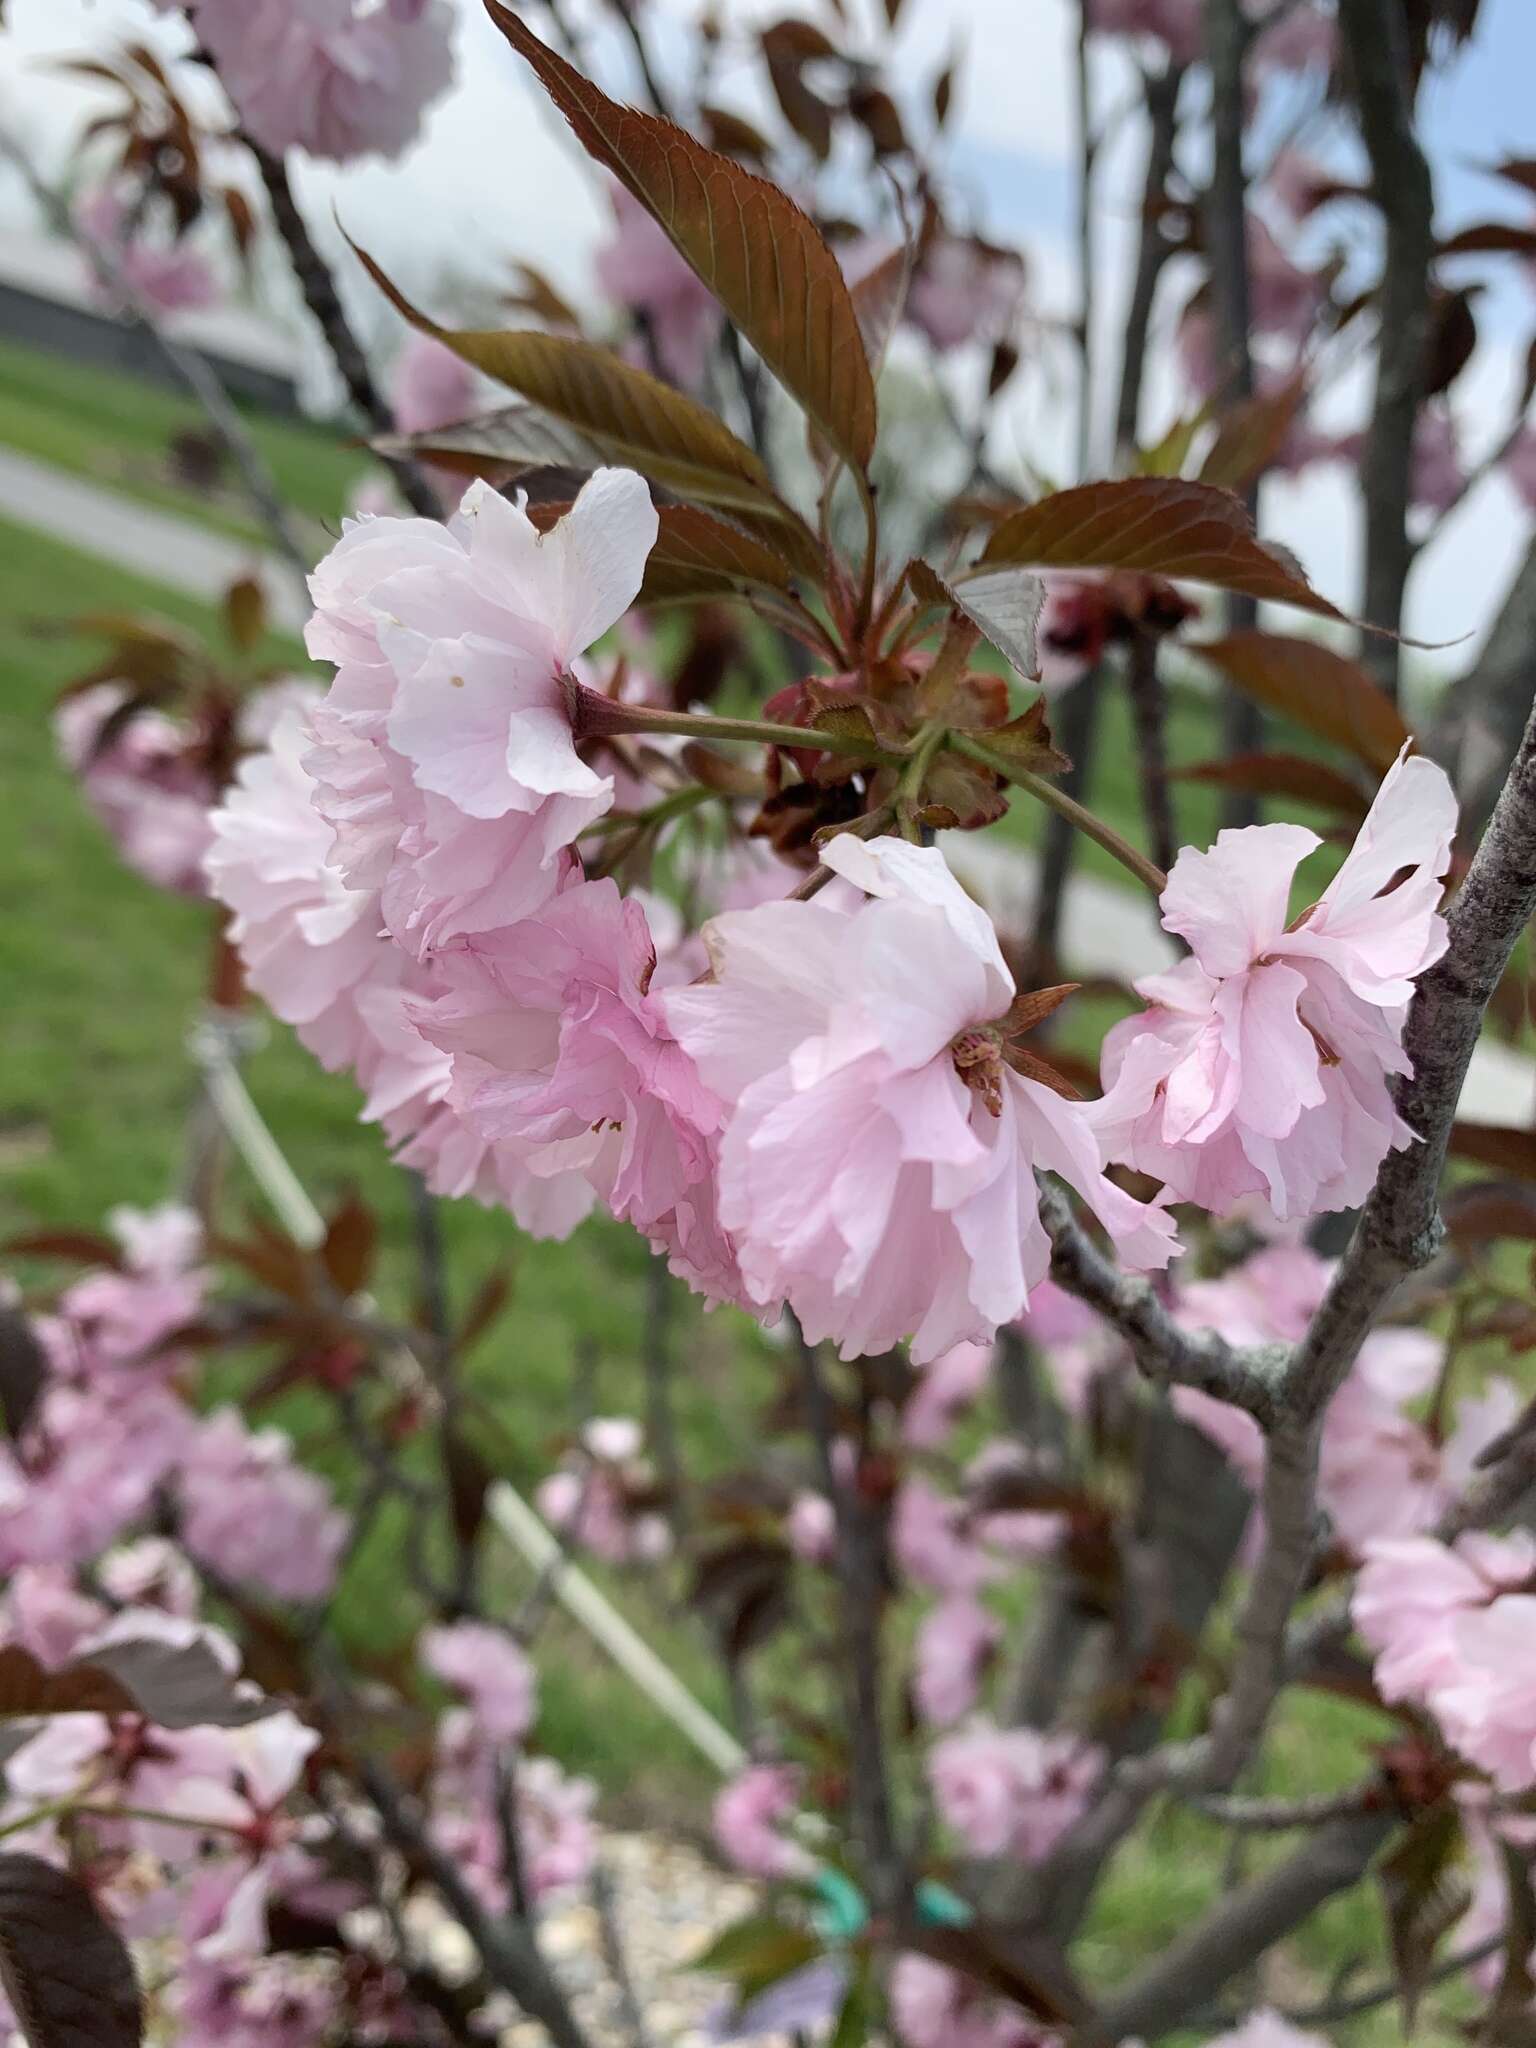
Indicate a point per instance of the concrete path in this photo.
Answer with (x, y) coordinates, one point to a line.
(160, 546)
(1108, 930)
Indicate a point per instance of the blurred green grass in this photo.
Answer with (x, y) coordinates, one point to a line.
(100, 977)
(116, 429)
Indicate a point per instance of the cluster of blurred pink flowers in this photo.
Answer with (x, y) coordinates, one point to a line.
(170, 276)
(338, 78)
(113, 1433)
(1452, 1626)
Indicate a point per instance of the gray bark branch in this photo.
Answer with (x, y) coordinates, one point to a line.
(1376, 37)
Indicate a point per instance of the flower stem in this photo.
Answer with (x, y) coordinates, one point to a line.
(909, 793)
(1057, 800)
(598, 717)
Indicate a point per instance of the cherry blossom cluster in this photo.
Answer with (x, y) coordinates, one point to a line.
(114, 1433)
(832, 1116)
(337, 78)
(191, 1837)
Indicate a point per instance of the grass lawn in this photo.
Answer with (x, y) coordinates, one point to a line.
(115, 429)
(100, 978)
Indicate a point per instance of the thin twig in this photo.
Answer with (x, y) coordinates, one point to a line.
(1149, 713)
(324, 302)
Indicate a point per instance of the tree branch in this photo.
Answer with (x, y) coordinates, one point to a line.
(1189, 1974)
(1376, 37)
(1227, 35)
(861, 1574)
(1153, 253)
(324, 303)
(1168, 1355)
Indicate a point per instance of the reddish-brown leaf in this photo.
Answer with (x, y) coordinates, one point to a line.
(697, 555)
(174, 1685)
(81, 1245)
(1160, 525)
(64, 1968)
(787, 47)
(1288, 775)
(631, 416)
(245, 612)
(23, 1369)
(756, 250)
(1505, 1147)
(1328, 693)
(350, 1239)
(732, 136)
(1490, 1210)
(1250, 434)
(1491, 238)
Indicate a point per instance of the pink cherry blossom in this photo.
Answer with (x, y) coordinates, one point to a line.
(556, 1041)
(639, 268)
(1264, 1065)
(1412, 1594)
(252, 1515)
(142, 784)
(877, 1162)
(489, 1669)
(1520, 467)
(1175, 23)
(1013, 1791)
(1266, 2029)
(313, 948)
(556, 1840)
(46, 1614)
(87, 1468)
(751, 1816)
(329, 76)
(936, 2007)
(429, 386)
(954, 1644)
(931, 1544)
(276, 2002)
(945, 1390)
(171, 276)
(811, 1528)
(1284, 298)
(445, 762)
(964, 291)
(1301, 39)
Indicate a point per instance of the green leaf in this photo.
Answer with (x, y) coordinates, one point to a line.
(757, 1951)
(760, 255)
(1161, 526)
(1328, 693)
